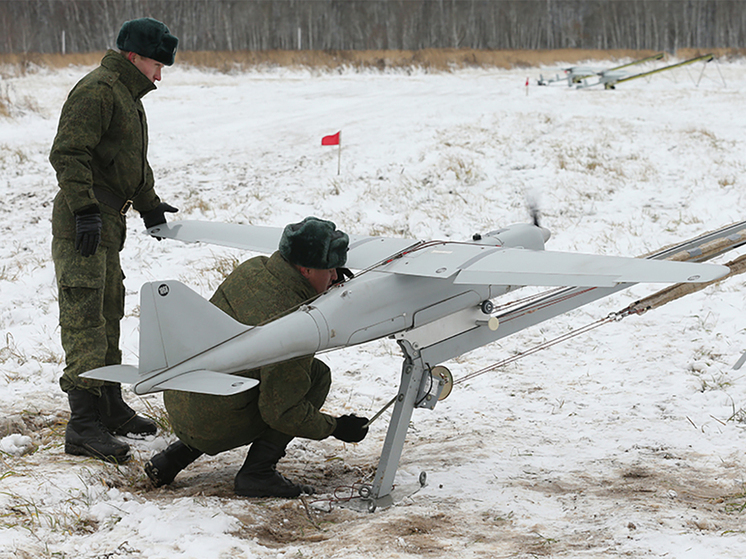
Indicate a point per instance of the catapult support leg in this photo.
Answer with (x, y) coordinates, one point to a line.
(412, 373)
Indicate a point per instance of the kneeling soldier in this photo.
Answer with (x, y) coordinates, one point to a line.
(287, 401)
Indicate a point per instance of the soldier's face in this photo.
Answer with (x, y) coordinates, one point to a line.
(151, 68)
(321, 280)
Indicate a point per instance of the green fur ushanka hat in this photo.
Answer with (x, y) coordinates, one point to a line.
(150, 38)
(314, 243)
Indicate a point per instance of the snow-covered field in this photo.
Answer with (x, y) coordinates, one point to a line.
(625, 442)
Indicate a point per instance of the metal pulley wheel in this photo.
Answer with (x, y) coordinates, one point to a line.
(442, 373)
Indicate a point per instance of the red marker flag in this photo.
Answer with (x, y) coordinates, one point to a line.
(332, 140)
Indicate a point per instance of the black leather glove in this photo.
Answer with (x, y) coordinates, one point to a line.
(157, 216)
(350, 428)
(343, 274)
(88, 231)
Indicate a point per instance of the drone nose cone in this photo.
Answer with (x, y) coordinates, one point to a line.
(545, 233)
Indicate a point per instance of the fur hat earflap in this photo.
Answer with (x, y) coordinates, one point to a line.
(150, 38)
(314, 243)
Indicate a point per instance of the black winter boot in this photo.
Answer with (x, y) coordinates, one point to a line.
(163, 467)
(259, 478)
(118, 417)
(86, 435)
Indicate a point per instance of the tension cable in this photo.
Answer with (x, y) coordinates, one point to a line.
(577, 332)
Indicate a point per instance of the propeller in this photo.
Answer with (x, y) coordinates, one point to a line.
(532, 201)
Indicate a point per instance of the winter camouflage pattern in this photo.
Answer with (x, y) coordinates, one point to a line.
(102, 141)
(287, 401)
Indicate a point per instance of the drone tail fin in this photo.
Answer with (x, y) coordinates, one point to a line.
(176, 324)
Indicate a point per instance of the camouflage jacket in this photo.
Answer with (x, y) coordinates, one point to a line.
(258, 290)
(102, 141)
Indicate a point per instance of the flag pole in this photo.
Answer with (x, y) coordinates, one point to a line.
(339, 153)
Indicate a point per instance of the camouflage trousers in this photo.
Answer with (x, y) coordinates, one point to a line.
(91, 304)
(214, 424)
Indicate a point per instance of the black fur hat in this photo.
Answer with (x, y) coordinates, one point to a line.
(149, 38)
(314, 243)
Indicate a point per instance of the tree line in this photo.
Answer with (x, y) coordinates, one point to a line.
(71, 26)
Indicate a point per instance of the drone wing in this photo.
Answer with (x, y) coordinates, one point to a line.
(247, 237)
(364, 251)
(489, 265)
(474, 263)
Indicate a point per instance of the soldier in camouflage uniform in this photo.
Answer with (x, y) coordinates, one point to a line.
(100, 157)
(287, 401)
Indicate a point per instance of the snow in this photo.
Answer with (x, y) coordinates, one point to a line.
(624, 442)
(16, 445)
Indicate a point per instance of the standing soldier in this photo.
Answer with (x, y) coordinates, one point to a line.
(100, 157)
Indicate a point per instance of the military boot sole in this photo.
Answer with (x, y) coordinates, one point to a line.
(86, 450)
(276, 486)
(285, 493)
(155, 475)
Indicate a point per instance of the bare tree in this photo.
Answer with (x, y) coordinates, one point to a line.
(91, 25)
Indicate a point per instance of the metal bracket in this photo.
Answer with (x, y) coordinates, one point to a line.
(431, 387)
(419, 388)
(413, 371)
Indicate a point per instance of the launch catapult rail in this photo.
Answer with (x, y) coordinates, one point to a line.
(711, 245)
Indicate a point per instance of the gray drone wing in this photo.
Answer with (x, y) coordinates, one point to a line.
(364, 251)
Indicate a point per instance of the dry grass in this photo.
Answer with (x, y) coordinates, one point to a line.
(436, 59)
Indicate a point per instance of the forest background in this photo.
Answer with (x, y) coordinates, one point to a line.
(379, 33)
